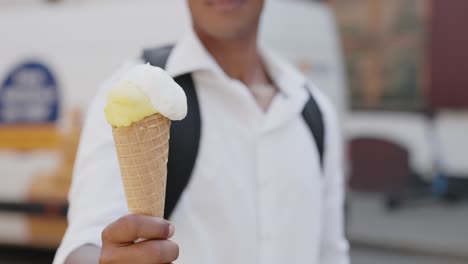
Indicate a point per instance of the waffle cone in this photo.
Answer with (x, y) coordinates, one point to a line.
(142, 151)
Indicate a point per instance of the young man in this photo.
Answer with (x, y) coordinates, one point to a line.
(258, 192)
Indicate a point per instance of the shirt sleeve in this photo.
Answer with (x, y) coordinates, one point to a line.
(334, 248)
(96, 196)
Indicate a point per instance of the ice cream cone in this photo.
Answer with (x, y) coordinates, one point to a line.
(142, 150)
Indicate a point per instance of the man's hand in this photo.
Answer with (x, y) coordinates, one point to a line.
(118, 241)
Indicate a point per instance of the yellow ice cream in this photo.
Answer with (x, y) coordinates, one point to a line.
(126, 104)
(142, 91)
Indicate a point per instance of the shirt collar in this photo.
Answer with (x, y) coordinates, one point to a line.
(190, 55)
(284, 75)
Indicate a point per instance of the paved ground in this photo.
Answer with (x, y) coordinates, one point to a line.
(375, 256)
(424, 227)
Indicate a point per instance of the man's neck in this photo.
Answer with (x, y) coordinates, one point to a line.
(239, 58)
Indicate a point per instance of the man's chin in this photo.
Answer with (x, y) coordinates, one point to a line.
(226, 5)
(225, 34)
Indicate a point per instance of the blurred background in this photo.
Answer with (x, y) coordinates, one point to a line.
(397, 71)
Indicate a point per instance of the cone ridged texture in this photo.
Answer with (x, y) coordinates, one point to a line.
(142, 151)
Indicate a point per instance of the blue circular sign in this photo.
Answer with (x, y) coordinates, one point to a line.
(29, 94)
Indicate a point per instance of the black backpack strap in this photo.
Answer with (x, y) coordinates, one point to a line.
(314, 119)
(184, 136)
(183, 146)
(158, 56)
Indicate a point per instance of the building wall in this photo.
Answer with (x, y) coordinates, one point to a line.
(449, 54)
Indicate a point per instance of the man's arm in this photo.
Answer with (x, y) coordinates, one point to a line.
(334, 246)
(84, 254)
(96, 196)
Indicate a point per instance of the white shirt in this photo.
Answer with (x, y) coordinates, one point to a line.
(257, 192)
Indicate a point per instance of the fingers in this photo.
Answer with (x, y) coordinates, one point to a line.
(131, 227)
(150, 252)
(118, 241)
(162, 251)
